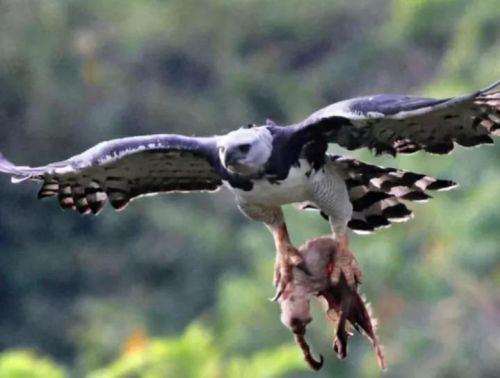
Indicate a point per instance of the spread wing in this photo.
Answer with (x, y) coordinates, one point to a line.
(123, 169)
(404, 124)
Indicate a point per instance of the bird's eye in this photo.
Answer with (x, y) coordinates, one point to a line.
(244, 148)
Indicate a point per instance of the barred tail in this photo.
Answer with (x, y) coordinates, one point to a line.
(378, 194)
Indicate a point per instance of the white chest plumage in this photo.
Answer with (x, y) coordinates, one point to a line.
(295, 188)
(324, 189)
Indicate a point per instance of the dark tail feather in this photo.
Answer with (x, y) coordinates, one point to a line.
(378, 194)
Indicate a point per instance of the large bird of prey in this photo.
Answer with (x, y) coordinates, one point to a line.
(271, 165)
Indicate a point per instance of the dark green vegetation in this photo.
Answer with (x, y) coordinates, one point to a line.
(190, 271)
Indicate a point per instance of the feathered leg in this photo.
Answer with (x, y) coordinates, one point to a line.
(287, 256)
(330, 195)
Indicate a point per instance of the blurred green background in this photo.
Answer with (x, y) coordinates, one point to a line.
(177, 286)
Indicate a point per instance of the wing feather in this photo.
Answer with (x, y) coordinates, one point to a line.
(405, 124)
(123, 169)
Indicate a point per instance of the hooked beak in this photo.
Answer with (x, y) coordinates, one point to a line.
(231, 157)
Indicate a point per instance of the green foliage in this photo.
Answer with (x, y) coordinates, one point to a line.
(73, 73)
(25, 364)
(192, 355)
(196, 354)
(267, 363)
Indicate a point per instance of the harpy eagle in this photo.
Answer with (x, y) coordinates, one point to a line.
(271, 165)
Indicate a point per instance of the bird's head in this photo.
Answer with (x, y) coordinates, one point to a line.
(245, 151)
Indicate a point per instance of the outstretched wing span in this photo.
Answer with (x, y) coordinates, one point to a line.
(123, 169)
(404, 124)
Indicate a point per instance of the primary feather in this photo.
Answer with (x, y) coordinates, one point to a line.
(404, 124)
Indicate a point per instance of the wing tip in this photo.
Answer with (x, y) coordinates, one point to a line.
(6, 166)
(489, 87)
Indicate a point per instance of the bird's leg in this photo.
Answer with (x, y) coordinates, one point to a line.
(287, 257)
(344, 262)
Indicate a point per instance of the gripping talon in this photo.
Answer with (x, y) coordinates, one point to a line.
(344, 264)
(308, 357)
(277, 296)
(303, 267)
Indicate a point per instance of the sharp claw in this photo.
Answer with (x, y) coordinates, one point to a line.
(277, 296)
(303, 267)
(311, 361)
(318, 364)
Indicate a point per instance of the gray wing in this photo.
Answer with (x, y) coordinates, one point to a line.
(404, 124)
(123, 169)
